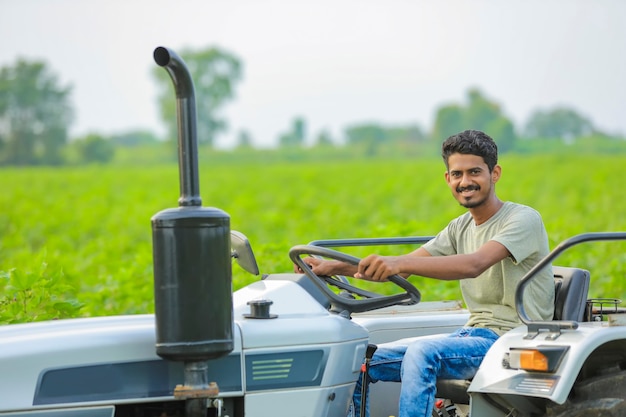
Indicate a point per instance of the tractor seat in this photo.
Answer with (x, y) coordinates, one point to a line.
(570, 298)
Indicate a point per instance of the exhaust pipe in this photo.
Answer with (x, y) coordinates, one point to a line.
(192, 262)
(186, 116)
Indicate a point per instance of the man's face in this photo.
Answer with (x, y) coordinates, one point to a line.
(469, 179)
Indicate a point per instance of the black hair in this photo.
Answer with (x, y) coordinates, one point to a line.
(471, 142)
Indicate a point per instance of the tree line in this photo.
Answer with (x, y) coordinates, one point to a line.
(36, 113)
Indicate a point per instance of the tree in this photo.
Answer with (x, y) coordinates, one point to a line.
(503, 133)
(95, 148)
(296, 136)
(372, 136)
(481, 114)
(35, 114)
(448, 121)
(134, 138)
(215, 73)
(324, 139)
(558, 123)
(404, 134)
(368, 136)
(244, 140)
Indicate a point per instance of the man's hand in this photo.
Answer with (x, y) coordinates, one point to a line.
(327, 268)
(378, 268)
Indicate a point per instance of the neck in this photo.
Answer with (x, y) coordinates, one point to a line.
(486, 210)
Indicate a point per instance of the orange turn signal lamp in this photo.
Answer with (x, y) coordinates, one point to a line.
(535, 359)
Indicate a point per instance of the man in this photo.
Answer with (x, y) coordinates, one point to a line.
(489, 249)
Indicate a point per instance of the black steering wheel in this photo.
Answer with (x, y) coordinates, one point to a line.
(371, 301)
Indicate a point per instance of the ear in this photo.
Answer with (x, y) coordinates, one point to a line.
(496, 173)
(447, 176)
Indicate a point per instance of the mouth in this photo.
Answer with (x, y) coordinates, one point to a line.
(467, 191)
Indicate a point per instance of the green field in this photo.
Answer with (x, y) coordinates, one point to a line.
(90, 226)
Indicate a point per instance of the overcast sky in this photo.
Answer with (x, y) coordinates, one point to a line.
(333, 62)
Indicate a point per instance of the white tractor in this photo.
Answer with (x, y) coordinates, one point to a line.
(294, 345)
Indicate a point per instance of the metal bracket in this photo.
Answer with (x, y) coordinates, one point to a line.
(183, 392)
(553, 331)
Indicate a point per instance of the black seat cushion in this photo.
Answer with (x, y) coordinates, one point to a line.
(571, 288)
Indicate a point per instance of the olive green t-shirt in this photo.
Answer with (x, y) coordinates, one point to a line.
(490, 297)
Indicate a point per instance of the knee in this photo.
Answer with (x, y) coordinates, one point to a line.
(422, 360)
(423, 351)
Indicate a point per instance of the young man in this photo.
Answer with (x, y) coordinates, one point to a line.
(489, 249)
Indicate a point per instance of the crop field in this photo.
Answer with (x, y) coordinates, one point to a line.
(84, 233)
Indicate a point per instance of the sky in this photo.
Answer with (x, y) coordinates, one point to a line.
(336, 63)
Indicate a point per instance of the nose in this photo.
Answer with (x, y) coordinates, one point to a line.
(465, 180)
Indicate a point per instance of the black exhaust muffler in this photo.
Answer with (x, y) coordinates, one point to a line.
(191, 258)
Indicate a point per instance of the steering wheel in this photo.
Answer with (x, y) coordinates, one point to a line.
(339, 303)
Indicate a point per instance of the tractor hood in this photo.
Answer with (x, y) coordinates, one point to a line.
(296, 317)
(105, 360)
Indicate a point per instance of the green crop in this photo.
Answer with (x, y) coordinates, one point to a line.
(92, 225)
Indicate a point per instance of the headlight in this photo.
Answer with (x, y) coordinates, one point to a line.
(537, 359)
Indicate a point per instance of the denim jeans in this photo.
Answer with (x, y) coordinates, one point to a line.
(418, 362)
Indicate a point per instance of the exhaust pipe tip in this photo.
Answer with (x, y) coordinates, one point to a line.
(177, 69)
(162, 56)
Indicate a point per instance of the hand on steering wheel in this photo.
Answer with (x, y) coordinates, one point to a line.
(371, 301)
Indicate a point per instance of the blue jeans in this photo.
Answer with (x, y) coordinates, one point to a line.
(418, 362)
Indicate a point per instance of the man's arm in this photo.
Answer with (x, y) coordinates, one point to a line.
(419, 262)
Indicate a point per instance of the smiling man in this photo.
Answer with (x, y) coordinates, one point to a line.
(489, 249)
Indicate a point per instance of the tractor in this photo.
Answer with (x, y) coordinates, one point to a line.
(294, 344)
